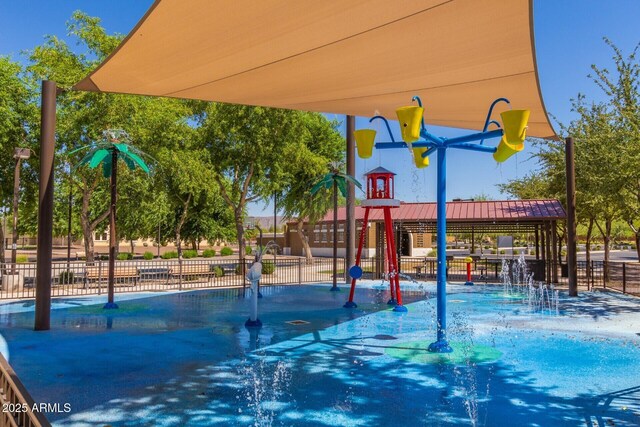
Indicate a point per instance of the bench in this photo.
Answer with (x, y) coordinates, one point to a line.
(97, 273)
(192, 270)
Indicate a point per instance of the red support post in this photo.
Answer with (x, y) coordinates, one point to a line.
(394, 261)
(363, 231)
(388, 250)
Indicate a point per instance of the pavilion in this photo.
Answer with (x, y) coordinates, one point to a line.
(417, 221)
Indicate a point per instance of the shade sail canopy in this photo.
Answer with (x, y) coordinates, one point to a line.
(357, 57)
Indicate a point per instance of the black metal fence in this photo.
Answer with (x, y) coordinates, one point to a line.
(81, 278)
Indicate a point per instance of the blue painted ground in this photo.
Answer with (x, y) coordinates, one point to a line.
(185, 359)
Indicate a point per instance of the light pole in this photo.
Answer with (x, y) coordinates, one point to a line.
(423, 144)
(69, 222)
(275, 222)
(158, 240)
(19, 154)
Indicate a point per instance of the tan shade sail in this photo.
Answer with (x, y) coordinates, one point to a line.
(357, 57)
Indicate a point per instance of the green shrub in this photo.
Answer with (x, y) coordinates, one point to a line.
(597, 247)
(170, 255)
(448, 247)
(238, 269)
(123, 256)
(66, 277)
(563, 252)
(502, 252)
(268, 267)
(532, 252)
(633, 246)
(248, 250)
(21, 259)
(145, 244)
(148, 255)
(493, 251)
(515, 252)
(217, 270)
(432, 253)
(226, 251)
(209, 253)
(189, 253)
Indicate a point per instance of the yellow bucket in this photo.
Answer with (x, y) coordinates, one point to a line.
(420, 161)
(410, 119)
(364, 142)
(515, 130)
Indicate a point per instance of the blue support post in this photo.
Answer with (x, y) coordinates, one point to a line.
(474, 147)
(441, 345)
(439, 144)
(475, 137)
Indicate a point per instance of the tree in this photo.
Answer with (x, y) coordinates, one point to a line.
(245, 145)
(622, 88)
(83, 116)
(319, 145)
(113, 147)
(606, 134)
(18, 114)
(188, 178)
(338, 181)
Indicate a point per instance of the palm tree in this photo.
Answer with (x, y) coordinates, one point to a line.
(338, 181)
(113, 146)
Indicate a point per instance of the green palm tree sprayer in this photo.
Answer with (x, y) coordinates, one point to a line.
(338, 181)
(114, 146)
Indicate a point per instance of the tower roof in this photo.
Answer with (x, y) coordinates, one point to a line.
(377, 170)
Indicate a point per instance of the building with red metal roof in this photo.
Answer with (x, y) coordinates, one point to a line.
(416, 222)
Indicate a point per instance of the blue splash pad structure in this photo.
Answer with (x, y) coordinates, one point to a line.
(186, 359)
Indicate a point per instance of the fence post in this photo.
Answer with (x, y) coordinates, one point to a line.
(624, 278)
(300, 270)
(99, 276)
(604, 282)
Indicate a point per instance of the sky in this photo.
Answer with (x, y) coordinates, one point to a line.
(568, 37)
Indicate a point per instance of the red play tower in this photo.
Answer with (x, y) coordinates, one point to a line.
(380, 188)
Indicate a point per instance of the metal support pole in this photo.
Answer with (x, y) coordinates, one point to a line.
(350, 225)
(379, 251)
(363, 231)
(275, 222)
(69, 224)
(389, 257)
(554, 252)
(473, 241)
(547, 230)
(393, 262)
(543, 251)
(16, 198)
(113, 239)
(441, 345)
(334, 286)
(572, 263)
(624, 277)
(45, 206)
(537, 248)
